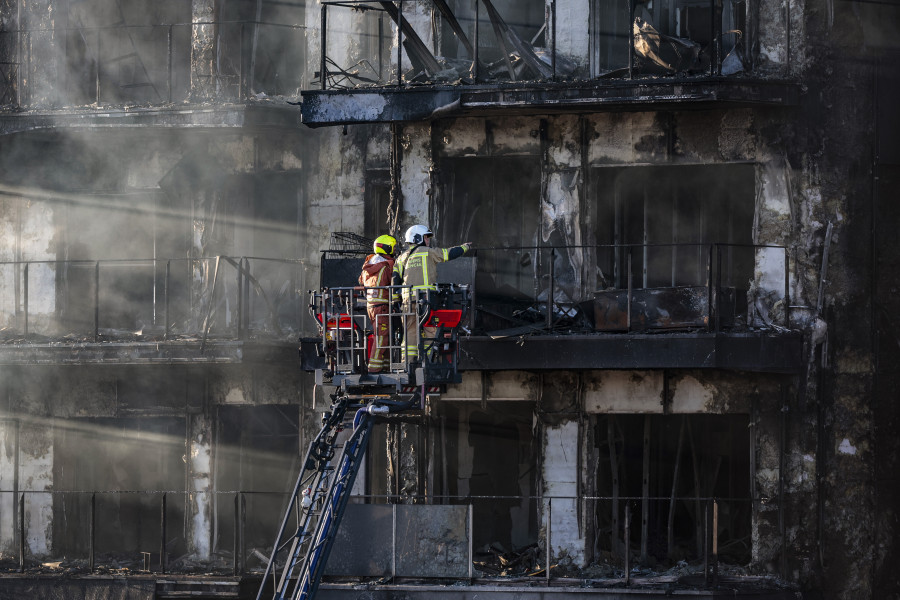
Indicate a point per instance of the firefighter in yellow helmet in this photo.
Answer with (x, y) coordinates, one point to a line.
(417, 267)
(376, 277)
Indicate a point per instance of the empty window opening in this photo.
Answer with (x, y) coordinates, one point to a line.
(378, 199)
(525, 19)
(669, 36)
(494, 202)
(668, 468)
(276, 65)
(119, 51)
(666, 218)
(257, 453)
(486, 456)
(141, 456)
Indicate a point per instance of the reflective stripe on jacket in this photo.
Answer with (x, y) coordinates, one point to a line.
(418, 267)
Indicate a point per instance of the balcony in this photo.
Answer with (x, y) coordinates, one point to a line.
(101, 72)
(651, 306)
(643, 306)
(376, 64)
(153, 311)
(372, 548)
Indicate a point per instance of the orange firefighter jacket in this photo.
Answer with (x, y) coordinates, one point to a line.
(376, 273)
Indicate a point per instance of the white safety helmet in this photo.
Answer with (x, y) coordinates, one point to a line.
(416, 234)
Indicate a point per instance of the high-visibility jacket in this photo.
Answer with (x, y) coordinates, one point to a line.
(417, 266)
(376, 273)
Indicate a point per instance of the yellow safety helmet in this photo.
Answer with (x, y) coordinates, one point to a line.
(385, 244)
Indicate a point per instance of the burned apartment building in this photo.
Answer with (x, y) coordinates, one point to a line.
(683, 329)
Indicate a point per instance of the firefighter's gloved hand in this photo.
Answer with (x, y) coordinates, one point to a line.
(470, 248)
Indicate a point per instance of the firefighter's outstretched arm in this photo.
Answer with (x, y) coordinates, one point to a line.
(457, 251)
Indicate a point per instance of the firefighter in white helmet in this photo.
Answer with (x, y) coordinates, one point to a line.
(417, 267)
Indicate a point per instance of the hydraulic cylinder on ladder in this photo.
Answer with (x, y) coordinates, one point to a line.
(324, 485)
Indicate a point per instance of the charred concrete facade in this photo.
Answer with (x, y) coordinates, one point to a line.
(136, 140)
(683, 290)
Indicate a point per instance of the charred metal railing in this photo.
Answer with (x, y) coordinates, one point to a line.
(235, 298)
(157, 541)
(159, 57)
(239, 298)
(712, 285)
(395, 44)
(104, 542)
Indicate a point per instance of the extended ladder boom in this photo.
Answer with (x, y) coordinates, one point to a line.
(323, 488)
(319, 499)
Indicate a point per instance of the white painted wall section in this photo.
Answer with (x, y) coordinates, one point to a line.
(691, 396)
(419, 15)
(7, 482)
(624, 392)
(560, 486)
(501, 385)
(415, 179)
(199, 537)
(37, 243)
(572, 29)
(36, 475)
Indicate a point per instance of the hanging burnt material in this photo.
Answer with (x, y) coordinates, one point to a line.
(673, 54)
(395, 200)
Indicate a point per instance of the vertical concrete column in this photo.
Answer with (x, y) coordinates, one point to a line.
(9, 449)
(36, 475)
(411, 454)
(773, 209)
(562, 217)
(200, 486)
(26, 466)
(419, 15)
(203, 50)
(42, 53)
(572, 30)
(416, 163)
(560, 504)
(404, 456)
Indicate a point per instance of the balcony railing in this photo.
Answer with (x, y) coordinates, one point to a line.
(608, 288)
(145, 531)
(232, 298)
(151, 64)
(374, 43)
(634, 287)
